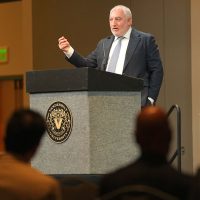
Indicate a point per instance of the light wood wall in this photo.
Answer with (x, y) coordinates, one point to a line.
(169, 21)
(195, 79)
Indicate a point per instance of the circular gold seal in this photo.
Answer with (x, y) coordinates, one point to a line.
(59, 122)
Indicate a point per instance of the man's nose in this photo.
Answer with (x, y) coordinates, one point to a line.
(113, 23)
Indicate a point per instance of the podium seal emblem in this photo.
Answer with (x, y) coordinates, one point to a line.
(59, 122)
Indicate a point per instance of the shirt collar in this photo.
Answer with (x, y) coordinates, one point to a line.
(128, 33)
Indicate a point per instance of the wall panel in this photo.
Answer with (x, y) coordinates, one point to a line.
(83, 23)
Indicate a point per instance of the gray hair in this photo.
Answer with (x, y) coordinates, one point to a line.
(125, 9)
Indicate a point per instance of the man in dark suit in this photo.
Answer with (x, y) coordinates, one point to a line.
(139, 54)
(153, 135)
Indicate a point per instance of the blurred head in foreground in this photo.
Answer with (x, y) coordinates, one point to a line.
(24, 131)
(153, 132)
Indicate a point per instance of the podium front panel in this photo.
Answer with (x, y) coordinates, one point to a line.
(102, 136)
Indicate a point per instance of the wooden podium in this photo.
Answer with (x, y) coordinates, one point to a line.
(101, 109)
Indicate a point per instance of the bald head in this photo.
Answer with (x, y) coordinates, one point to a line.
(153, 131)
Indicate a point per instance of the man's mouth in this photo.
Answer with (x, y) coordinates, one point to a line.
(115, 29)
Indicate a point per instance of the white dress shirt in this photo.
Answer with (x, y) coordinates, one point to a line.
(122, 54)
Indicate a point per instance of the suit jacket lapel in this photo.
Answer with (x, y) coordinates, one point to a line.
(107, 45)
(133, 42)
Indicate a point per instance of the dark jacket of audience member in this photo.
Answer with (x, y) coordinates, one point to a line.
(18, 180)
(153, 134)
(195, 191)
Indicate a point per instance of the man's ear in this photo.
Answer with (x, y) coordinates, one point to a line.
(130, 21)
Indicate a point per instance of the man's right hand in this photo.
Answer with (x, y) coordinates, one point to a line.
(63, 44)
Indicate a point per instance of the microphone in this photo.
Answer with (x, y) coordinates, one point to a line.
(105, 59)
(104, 62)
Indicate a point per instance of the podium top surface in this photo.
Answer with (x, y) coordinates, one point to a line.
(79, 79)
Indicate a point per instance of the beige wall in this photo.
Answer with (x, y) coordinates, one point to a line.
(11, 36)
(169, 21)
(31, 30)
(84, 24)
(16, 34)
(195, 63)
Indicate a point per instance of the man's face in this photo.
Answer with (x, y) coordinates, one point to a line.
(119, 22)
